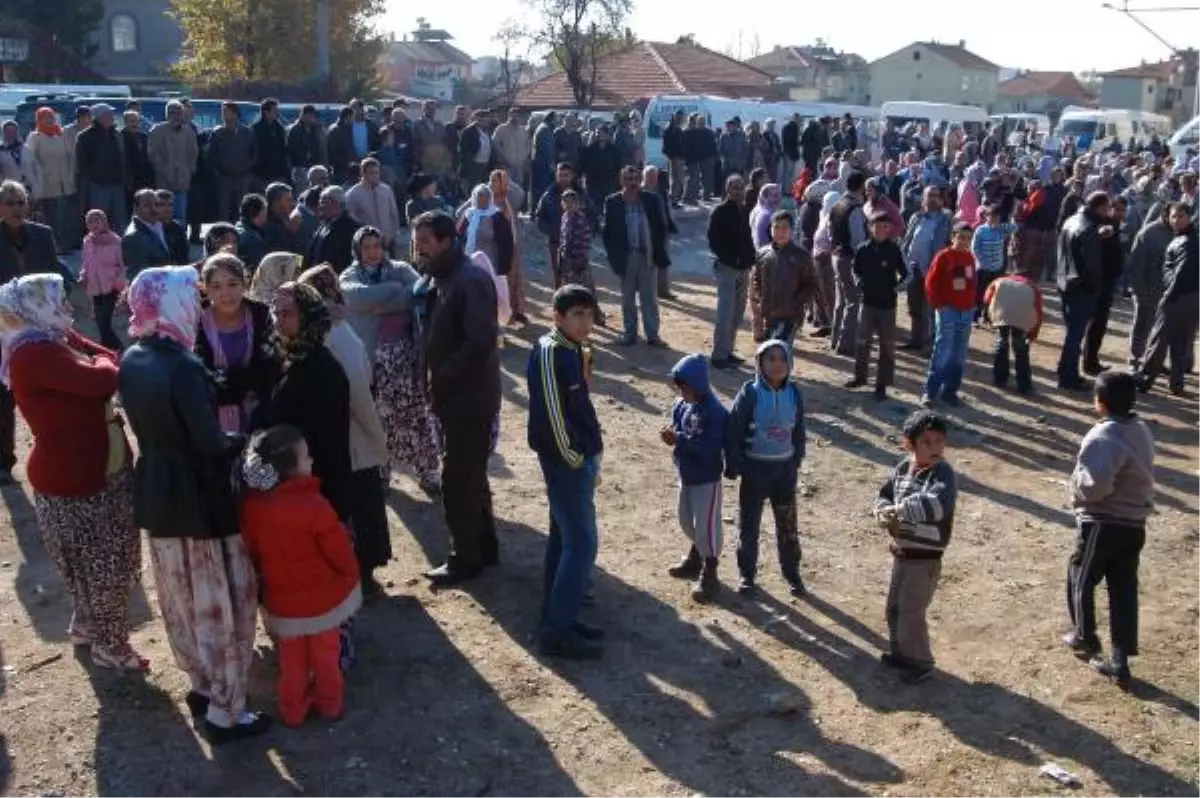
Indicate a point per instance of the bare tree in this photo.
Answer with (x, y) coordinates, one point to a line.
(514, 63)
(577, 34)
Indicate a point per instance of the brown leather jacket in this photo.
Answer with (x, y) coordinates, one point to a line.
(783, 282)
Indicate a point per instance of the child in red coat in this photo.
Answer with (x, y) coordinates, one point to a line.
(306, 568)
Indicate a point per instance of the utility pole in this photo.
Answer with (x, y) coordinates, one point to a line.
(323, 67)
(1188, 57)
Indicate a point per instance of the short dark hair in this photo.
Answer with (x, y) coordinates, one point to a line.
(783, 216)
(230, 105)
(345, 113)
(165, 196)
(1117, 391)
(571, 296)
(565, 165)
(923, 421)
(276, 190)
(268, 104)
(440, 223)
(570, 194)
(1096, 200)
(855, 181)
(252, 205)
(308, 108)
(1179, 207)
(277, 447)
(222, 262)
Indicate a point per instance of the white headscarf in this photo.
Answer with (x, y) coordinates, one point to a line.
(476, 214)
(32, 308)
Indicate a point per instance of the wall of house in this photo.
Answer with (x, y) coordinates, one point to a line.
(930, 78)
(1132, 93)
(157, 41)
(1032, 104)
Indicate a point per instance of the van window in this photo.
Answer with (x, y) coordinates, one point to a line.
(1079, 127)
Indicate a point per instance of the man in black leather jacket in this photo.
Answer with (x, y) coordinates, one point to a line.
(1080, 280)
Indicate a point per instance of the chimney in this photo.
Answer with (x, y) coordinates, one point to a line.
(962, 43)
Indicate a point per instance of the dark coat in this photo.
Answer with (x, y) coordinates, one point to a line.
(305, 145)
(270, 152)
(672, 141)
(39, 255)
(252, 243)
(1081, 254)
(258, 376)
(729, 236)
(600, 167)
(460, 362)
(616, 236)
(791, 140)
(141, 248)
(182, 476)
(333, 243)
(139, 172)
(340, 144)
(177, 242)
(277, 238)
(98, 157)
(313, 396)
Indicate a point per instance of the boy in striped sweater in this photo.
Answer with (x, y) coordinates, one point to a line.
(916, 507)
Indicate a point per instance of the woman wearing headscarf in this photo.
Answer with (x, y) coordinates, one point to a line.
(55, 157)
(17, 162)
(508, 197)
(970, 197)
(275, 269)
(760, 217)
(483, 228)
(237, 344)
(822, 249)
(379, 301)
(183, 498)
(368, 441)
(79, 465)
(878, 200)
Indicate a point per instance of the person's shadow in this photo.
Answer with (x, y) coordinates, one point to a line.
(698, 705)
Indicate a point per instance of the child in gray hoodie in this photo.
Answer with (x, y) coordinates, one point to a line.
(1112, 490)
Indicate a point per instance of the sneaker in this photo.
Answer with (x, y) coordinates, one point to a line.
(854, 383)
(925, 401)
(1114, 670)
(914, 675)
(1082, 649)
(746, 587)
(251, 724)
(796, 586)
(571, 646)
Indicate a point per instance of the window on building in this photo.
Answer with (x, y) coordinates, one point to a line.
(124, 33)
(918, 76)
(916, 55)
(1149, 88)
(966, 83)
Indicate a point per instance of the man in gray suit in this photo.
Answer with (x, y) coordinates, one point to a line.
(145, 242)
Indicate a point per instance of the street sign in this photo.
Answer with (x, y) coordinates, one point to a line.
(13, 51)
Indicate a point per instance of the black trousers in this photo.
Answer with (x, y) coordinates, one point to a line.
(103, 306)
(368, 519)
(8, 428)
(1108, 551)
(466, 494)
(1096, 329)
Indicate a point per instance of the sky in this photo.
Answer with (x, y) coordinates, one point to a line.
(1026, 34)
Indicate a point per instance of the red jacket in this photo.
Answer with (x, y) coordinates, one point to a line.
(951, 280)
(303, 556)
(62, 396)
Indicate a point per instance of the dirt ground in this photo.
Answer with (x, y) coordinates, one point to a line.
(770, 695)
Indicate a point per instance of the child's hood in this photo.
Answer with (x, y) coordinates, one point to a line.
(104, 237)
(765, 347)
(692, 371)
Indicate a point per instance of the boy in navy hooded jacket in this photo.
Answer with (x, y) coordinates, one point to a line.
(765, 442)
(697, 431)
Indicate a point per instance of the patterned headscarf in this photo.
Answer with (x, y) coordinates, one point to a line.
(315, 323)
(273, 271)
(325, 280)
(32, 308)
(165, 301)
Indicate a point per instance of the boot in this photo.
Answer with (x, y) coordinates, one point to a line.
(707, 586)
(688, 567)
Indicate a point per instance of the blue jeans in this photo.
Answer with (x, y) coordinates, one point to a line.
(571, 547)
(952, 335)
(1077, 308)
(181, 206)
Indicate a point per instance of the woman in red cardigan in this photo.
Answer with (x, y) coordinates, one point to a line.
(79, 466)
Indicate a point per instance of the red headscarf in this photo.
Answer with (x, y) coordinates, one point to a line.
(47, 122)
(801, 184)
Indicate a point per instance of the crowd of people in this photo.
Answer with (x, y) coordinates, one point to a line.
(304, 356)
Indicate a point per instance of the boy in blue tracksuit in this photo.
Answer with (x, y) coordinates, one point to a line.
(764, 446)
(565, 433)
(697, 431)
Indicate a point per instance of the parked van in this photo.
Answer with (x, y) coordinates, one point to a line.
(1036, 125)
(1096, 130)
(1186, 140)
(13, 94)
(970, 118)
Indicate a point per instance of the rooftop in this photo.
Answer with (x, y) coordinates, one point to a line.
(644, 69)
(436, 52)
(956, 53)
(1063, 85)
(1160, 71)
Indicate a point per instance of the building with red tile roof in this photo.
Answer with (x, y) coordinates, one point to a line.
(1040, 93)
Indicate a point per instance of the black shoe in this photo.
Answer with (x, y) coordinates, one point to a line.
(723, 363)
(880, 394)
(910, 346)
(688, 567)
(910, 674)
(371, 589)
(1111, 668)
(746, 587)
(519, 318)
(490, 558)
(589, 598)
(197, 704)
(1074, 385)
(741, 361)
(892, 660)
(708, 585)
(1143, 382)
(1082, 649)
(951, 400)
(821, 332)
(657, 343)
(219, 735)
(7, 478)
(796, 586)
(855, 383)
(445, 575)
(1092, 369)
(588, 632)
(668, 297)
(626, 340)
(570, 647)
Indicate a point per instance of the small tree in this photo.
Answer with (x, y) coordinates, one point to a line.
(577, 34)
(514, 68)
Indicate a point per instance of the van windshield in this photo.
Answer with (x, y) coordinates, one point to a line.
(659, 116)
(1079, 127)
